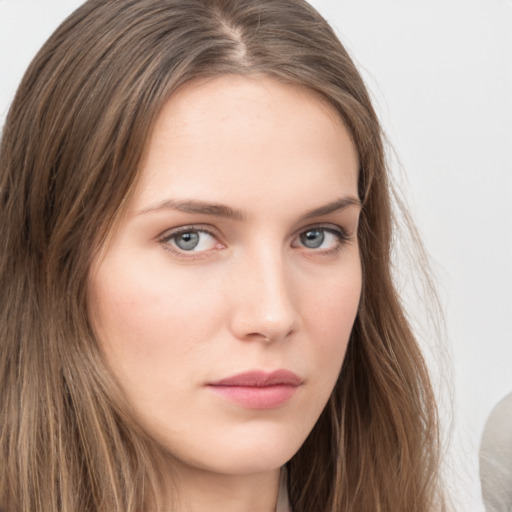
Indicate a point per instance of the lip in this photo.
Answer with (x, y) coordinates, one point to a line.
(258, 389)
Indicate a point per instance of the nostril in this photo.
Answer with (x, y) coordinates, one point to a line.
(270, 334)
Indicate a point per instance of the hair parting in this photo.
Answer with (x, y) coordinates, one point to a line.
(72, 146)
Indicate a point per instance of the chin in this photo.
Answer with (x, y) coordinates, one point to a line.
(255, 450)
(241, 462)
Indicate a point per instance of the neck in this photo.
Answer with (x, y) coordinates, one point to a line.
(202, 491)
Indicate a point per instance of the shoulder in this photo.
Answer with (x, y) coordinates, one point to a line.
(496, 458)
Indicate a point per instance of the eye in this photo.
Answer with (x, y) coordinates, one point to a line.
(320, 238)
(189, 240)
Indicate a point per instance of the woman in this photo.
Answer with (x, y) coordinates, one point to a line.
(197, 301)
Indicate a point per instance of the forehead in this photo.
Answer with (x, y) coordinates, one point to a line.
(234, 135)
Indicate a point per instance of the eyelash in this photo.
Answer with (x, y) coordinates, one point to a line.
(169, 236)
(341, 235)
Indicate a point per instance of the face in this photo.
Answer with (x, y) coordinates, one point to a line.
(225, 298)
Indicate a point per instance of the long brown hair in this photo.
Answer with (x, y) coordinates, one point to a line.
(70, 153)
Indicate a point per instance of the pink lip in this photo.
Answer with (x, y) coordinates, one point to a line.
(258, 389)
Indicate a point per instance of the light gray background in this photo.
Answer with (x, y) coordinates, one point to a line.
(440, 73)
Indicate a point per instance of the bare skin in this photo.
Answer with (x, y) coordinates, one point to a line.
(237, 253)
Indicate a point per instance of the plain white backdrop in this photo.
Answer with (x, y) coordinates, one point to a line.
(440, 73)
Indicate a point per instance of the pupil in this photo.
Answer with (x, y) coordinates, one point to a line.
(187, 241)
(313, 238)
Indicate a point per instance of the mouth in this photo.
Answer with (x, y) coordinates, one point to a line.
(258, 389)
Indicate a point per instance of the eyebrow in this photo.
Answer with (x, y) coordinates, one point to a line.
(194, 206)
(220, 210)
(334, 206)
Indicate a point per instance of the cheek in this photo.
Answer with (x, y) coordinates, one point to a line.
(332, 310)
(328, 315)
(147, 320)
(330, 321)
(329, 307)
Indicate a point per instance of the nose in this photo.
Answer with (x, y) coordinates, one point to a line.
(264, 307)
